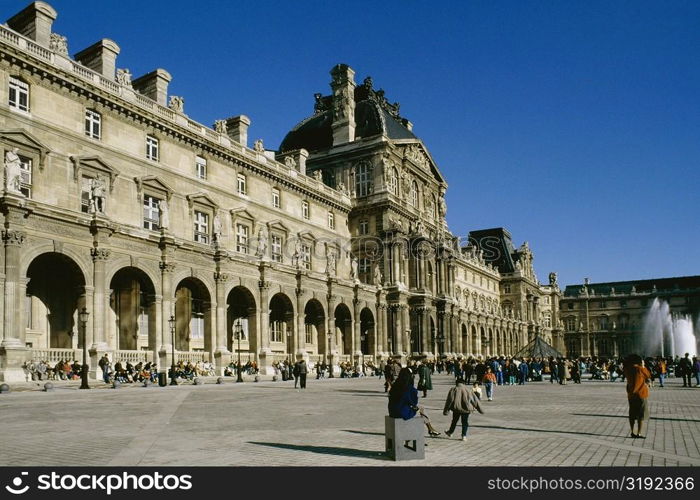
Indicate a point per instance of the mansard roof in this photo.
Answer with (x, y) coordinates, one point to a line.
(655, 285)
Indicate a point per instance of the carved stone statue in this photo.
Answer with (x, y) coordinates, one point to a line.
(354, 268)
(330, 263)
(258, 146)
(124, 77)
(442, 207)
(13, 171)
(342, 189)
(290, 162)
(217, 227)
(220, 126)
(405, 183)
(378, 278)
(552, 279)
(296, 257)
(318, 175)
(262, 243)
(164, 214)
(177, 104)
(58, 44)
(98, 195)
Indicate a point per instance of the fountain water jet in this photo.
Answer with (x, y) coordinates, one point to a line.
(667, 334)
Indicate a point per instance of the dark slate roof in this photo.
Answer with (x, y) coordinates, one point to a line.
(371, 118)
(538, 348)
(641, 286)
(497, 246)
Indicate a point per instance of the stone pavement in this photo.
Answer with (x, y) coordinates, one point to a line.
(337, 422)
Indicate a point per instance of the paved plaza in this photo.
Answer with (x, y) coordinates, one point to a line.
(337, 422)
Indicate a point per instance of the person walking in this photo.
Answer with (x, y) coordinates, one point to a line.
(104, 364)
(524, 370)
(661, 370)
(696, 370)
(686, 366)
(461, 402)
(489, 383)
(637, 376)
(425, 382)
(300, 370)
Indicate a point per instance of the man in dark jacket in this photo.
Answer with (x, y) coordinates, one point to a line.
(686, 366)
(300, 371)
(461, 401)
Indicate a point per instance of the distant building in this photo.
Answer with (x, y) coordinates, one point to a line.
(607, 319)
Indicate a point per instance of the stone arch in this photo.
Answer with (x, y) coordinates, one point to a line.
(193, 316)
(484, 342)
(241, 317)
(343, 329)
(474, 342)
(281, 322)
(132, 310)
(367, 332)
(80, 256)
(56, 292)
(315, 326)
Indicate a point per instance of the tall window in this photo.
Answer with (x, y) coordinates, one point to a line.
(276, 331)
(364, 265)
(201, 227)
(306, 256)
(305, 209)
(331, 220)
(413, 194)
(506, 288)
(571, 324)
(363, 179)
(151, 148)
(25, 183)
(241, 238)
(309, 331)
(275, 197)
(394, 182)
(241, 184)
(93, 124)
(151, 212)
(276, 247)
(19, 94)
(197, 320)
(364, 226)
(200, 167)
(85, 190)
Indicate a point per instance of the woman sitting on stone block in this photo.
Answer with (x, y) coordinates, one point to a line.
(403, 400)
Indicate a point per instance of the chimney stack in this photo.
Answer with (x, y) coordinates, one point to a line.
(154, 85)
(100, 57)
(237, 129)
(343, 87)
(34, 22)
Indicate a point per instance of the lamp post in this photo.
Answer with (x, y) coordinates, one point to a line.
(171, 322)
(238, 330)
(363, 336)
(330, 355)
(83, 316)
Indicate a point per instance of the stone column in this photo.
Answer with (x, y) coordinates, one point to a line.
(405, 331)
(263, 334)
(331, 348)
(381, 332)
(426, 344)
(301, 326)
(13, 351)
(167, 309)
(222, 356)
(356, 331)
(158, 321)
(99, 306)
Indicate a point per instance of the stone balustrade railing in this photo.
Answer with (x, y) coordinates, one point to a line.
(54, 355)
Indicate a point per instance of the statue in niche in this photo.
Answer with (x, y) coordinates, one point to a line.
(354, 268)
(296, 257)
(177, 104)
(13, 171)
(290, 162)
(98, 195)
(258, 146)
(124, 77)
(164, 214)
(378, 278)
(443, 207)
(220, 126)
(262, 243)
(330, 263)
(59, 44)
(405, 183)
(217, 227)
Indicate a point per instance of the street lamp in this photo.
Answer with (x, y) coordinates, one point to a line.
(238, 331)
(83, 316)
(330, 355)
(363, 336)
(171, 322)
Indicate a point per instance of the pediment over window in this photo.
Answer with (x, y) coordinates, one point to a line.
(277, 225)
(307, 235)
(23, 140)
(154, 183)
(242, 215)
(418, 154)
(203, 199)
(95, 165)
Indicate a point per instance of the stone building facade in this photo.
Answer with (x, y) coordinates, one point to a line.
(607, 319)
(167, 231)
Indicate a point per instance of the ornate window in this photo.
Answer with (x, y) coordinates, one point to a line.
(151, 148)
(394, 182)
(364, 226)
(201, 227)
(363, 179)
(200, 167)
(242, 234)
(413, 194)
(19, 95)
(241, 184)
(93, 124)
(151, 212)
(571, 324)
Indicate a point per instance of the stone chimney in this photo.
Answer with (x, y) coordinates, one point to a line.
(298, 159)
(154, 85)
(343, 87)
(34, 22)
(237, 129)
(100, 57)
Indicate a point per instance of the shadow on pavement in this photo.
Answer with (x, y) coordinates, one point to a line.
(364, 432)
(543, 430)
(625, 417)
(378, 392)
(327, 450)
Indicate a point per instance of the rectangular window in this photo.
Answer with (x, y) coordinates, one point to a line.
(276, 246)
(85, 190)
(151, 212)
(331, 220)
(19, 95)
(571, 305)
(241, 238)
(364, 265)
(151, 148)
(305, 209)
(309, 330)
(364, 226)
(275, 197)
(506, 288)
(93, 124)
(306, 256)
(197, 320)
(276, 331)
(200, 167)
(25, 181)
(201, 227)
(240, 179)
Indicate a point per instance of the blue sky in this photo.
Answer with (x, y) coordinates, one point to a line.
(573, 124)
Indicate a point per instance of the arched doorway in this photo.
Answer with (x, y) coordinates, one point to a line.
(432, 339)
(474, 343)
(55, 294)
(343, 329)
(315, 327)
(466, 348)
(192, 316)
(132, 310)
(281, 323)
(367, 337)
(484, 343)
(241, 314)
